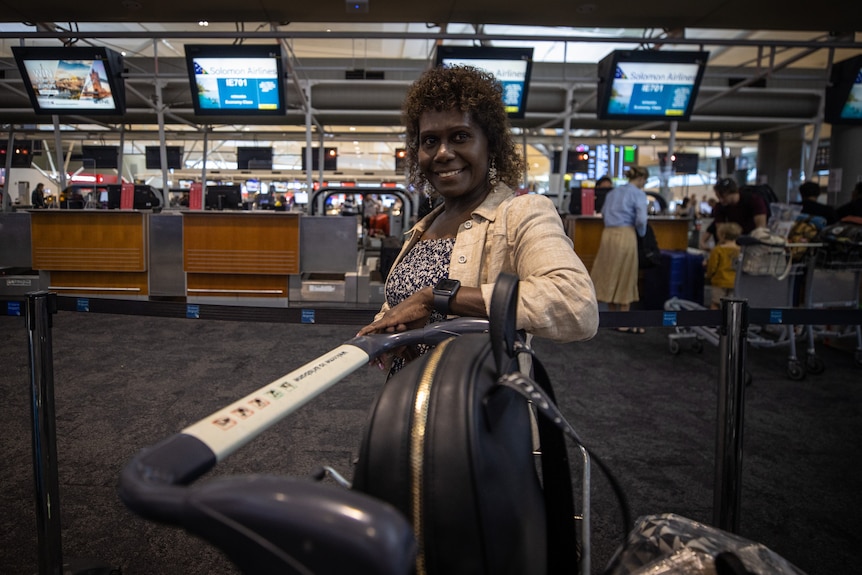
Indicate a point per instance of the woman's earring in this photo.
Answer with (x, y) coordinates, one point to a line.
(429, 191)
(492, 173)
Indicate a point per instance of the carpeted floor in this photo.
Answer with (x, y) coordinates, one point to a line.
(124, 382)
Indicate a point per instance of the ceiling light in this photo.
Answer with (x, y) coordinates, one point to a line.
(203, 23)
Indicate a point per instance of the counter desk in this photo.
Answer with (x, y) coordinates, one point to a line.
(586, 233)
(98, 252)
(235, 255)
(257, 258)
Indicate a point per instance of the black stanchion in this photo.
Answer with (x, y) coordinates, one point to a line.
(731, 395)
(40, 308)
(44, 432)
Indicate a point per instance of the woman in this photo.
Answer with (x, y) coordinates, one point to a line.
(615, 270)
(37, 198)
(459, 145)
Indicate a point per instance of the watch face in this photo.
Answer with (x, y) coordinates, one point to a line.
(447, 285)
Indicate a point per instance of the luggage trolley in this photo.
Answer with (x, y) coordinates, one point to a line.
(767, 276)
(269, 525)
(833, 281)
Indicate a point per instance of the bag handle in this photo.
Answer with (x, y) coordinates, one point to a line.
(503, 324)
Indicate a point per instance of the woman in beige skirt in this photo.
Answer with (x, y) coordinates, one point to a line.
(615, 269)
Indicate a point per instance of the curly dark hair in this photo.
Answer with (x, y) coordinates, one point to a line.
(470, 90)
(725, 186)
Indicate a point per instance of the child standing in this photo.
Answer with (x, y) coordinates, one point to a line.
(721, 265)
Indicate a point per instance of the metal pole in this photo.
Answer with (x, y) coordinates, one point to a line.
(40, 306)
(729, 424)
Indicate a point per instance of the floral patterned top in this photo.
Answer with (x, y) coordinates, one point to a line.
(424, 265)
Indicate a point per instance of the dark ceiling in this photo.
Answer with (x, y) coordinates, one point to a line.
(737, 97)
(838, 16)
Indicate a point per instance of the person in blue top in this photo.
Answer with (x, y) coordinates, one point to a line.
(615, 269)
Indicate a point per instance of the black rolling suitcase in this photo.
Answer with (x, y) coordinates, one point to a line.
(449, 443)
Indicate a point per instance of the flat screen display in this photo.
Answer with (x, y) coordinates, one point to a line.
(223, 198)
(844, 93)
(72, 80)
(22, 154)
(681, 162)
(511, 67)
(100, 156)
(154, 157)
(242, 79)
(330, 159)
(649, 85)
(248, 158)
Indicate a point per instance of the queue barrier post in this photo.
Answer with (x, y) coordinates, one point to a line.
(729, 424)
(40, 308)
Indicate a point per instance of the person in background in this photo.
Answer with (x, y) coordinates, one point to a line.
(747, 210)
(615, 270)
(348, 208)
(721, 264)
(603, 185)
(686, 208)
(37, 197)
(853, 207)
(371, 206)
(809, 192)
(695, 206)
(459, 146)
(705, 207)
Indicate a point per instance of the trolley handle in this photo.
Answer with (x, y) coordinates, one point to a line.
(153, 483)
(753, 241)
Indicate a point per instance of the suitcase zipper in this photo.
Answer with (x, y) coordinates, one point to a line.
(417, 449)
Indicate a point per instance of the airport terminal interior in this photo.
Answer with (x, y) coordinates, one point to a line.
(213, 196)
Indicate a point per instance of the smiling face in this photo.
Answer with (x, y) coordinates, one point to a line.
(453, 155)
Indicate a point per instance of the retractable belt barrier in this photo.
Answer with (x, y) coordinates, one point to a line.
(353, 316)
(154, 483)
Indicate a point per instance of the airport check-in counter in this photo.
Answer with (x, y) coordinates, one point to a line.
(671, 233)
(256, 258)
(240, 257)
(94, 253)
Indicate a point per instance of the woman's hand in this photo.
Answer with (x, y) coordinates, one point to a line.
(412, 313)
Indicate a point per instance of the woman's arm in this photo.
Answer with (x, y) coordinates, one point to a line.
(556, 298)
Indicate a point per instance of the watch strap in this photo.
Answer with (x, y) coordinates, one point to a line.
(441, 303)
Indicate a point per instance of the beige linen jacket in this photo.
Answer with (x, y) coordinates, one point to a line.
(522, 235)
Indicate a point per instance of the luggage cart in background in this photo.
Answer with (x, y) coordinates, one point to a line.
(767, 276)
(833, 281)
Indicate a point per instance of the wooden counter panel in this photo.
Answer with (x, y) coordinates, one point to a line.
(89, 241)
(586, 234)
(243, 285)
(241, 244)
(100, 283)
(671, 234)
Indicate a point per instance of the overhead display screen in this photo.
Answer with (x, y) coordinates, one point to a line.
(844, 93)
(649, 85)
(852, 109)
(236, 79)
(72, 80)
(511, 67)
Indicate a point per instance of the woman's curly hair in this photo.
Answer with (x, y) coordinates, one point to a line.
(470, 90)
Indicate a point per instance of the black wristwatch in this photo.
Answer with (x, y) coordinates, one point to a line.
(444, 291)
